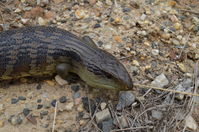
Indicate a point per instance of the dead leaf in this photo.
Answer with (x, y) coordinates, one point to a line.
(32, 119)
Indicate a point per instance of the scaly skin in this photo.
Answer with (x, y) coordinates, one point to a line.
(35, 51)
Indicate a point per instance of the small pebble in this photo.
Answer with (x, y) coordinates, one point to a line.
(109, 2)
(26, 111)
(187, 83)
(42, 21)
(53, 103)
(179, 37)
(195, 20)
(38, 86)
(191, 124)
(108, 46)
(154, 45)
(136, 63)
(143, 17)
(2, 107)
(62, 99)
(97, 25)
(134, 70)
(17, 10)
(1, 123)
(125, 99)
(176, 42)
(99, 43)
(24, 21)
(134, 4)
(143, 33)
(78, 101)
(122, 121)
(166, 36)
(177, 26)
(69, 106)
(14, 100)
(80, 14)
(155, 52)
(102, 115)
(126, 9)
(75, 88)
(157, 114)
(160, 81)
(146, 43)
(153, 64)
(39, 106)
(106, 126)
(43, 113)
(80, 108)
(174, 18)
(39, 101)
(76, 95)
(15, 120)
(182, 67)
(46, 104)
(60, 81)
(82, 122)
(103, 105)
(21, 98)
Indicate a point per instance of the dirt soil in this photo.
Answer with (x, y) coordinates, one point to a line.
(150, 37)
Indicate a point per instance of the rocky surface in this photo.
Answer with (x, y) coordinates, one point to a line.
(156, 40)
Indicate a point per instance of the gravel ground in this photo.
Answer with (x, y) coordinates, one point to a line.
(157, 41)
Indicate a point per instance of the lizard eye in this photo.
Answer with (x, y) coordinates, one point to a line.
(108, 76)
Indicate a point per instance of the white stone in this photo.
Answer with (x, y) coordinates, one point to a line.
(69, 106)
(160, 81)
(191, 123)
(103, 105)
(60, 81)
(102, 115)
(109, 2)
(17, 10)
(155, 52)
(108, 46)
(42, 21)
(143, 17)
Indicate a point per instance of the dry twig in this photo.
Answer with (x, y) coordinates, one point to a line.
(133, 128)
(190, 11)
(55, 115)
(167, 90)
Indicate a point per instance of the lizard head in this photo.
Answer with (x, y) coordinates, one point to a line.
(106, 72)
